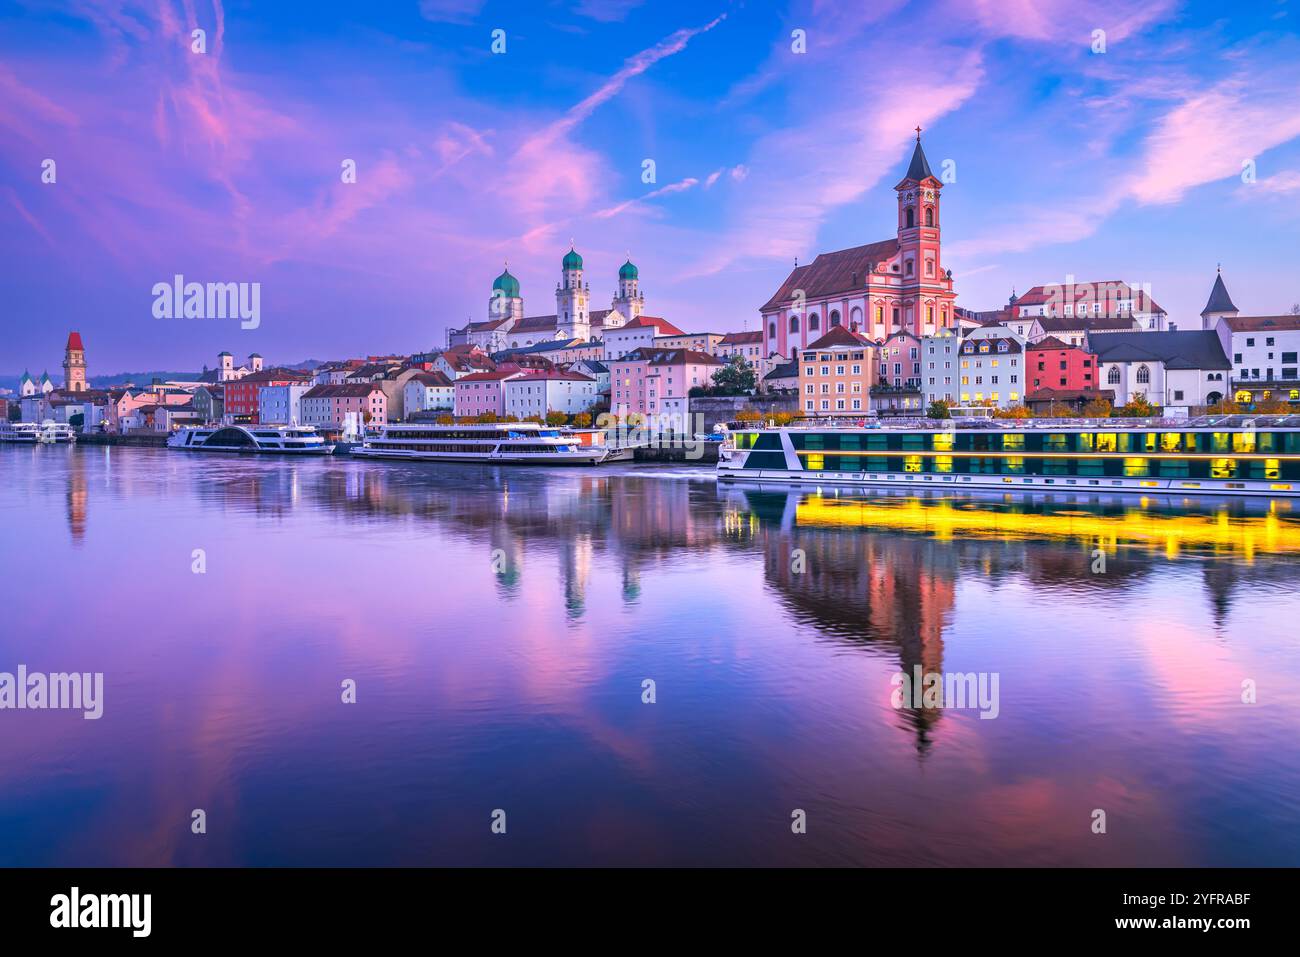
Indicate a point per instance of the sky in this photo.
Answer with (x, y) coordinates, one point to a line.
(1114, 156)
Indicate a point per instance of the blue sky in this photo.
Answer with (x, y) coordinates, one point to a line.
(225, 166)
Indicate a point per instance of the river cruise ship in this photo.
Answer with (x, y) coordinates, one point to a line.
(281, 439)
(501, 443)
(30, 433)
(1220, 455)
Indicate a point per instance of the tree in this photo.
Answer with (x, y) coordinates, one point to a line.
(1273, 406)
(446, 420)
(749, 415)
(486, 418)
(1097, 408)
(1013, 412)
(1224, 407)
(1139, 407)
(737, 377)
(554, 418)
(1295, 309)
(582, 420)
(938, 410)
(783, 418)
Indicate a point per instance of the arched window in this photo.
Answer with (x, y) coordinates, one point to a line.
(814, 323)
(1112, 377)
(855, 318)
(794, 323)
(929, 215)
(911, 217)
(771, 329)
(1144, 375)
(835, 317)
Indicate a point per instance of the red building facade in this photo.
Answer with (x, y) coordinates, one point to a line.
(1053, 364)
(242, 394)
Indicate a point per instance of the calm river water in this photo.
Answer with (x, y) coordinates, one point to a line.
(500, 626)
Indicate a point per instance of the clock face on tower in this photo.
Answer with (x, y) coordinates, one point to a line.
(929, 196)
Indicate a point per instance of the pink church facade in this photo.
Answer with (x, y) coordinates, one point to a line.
(882, 288)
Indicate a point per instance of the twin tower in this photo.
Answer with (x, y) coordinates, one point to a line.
(572, 299)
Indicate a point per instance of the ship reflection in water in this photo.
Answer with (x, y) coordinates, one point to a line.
(500, 625)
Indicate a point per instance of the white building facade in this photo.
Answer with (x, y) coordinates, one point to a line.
(540, 392)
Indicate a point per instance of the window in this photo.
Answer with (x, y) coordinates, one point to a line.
(794, 323)
(910, 218)
(1112, 377)
(1143, 375)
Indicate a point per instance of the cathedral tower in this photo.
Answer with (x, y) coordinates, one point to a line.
(572, 316)
(506, 302)
(629, 302)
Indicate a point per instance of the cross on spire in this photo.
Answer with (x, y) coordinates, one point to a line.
(918, 134)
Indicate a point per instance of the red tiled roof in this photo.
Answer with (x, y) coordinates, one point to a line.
(489, 376)
(275, 375)
(839, 336)
(1088, 292)
(662, 327)
(534, 375)
(1067, 323)
(1262, 323)
(741, 338)
(1050, 342)
(431, 378)
(1048, 393)
(342, 391)
(834, 272)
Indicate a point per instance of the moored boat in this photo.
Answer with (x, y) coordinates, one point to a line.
(500, 443)
(1218, 455)
(281, 439)
(30, 433)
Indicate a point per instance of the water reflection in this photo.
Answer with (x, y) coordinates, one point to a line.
(500, 623)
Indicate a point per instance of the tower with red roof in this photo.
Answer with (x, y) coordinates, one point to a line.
(74, 364)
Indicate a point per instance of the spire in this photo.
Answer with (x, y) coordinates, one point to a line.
(919, 168)
(1220, 301)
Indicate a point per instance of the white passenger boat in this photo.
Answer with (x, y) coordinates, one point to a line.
(501, 443)
(29, 433)
(281, 439)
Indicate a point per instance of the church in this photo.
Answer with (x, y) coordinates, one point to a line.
(508, 328)
(877, 290)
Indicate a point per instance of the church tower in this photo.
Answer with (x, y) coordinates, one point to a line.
(572, 315)
(1219, 306)
(629, 302)
(74, 364)
(506, 302)
(925, 290)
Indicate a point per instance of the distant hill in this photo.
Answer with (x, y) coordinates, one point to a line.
(12, 382)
